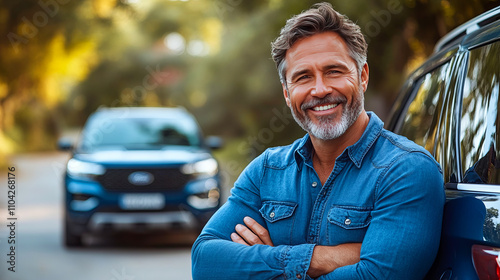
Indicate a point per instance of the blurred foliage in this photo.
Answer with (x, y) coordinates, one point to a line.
(60, 60)
(491, 227)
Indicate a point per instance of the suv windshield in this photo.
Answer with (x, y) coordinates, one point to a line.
(138, 133)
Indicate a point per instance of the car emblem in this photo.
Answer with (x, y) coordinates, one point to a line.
(141, 178)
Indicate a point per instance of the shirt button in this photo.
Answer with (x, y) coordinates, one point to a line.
(314, 184)
(299, 276)
(347, 221)
(271, 215)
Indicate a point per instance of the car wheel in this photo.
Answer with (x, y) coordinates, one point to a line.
(71, 240)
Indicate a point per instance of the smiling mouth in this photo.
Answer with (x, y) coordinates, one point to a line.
(324, 107)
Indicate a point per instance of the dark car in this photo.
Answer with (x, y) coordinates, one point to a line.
(139, 170)
(450, 106)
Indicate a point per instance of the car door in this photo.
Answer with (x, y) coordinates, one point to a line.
(478, 188)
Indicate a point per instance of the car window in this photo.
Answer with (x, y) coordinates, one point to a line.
(429, 120)
(422, 117)
(480, 127)
(139, 133)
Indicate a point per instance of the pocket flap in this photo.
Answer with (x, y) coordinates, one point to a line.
(276, 210)
(349, 218)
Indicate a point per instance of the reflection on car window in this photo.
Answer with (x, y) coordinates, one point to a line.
(479, 124)
(139, 133)
(421, 120)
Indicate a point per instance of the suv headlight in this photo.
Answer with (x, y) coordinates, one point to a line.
(205, 167)
(82, 169)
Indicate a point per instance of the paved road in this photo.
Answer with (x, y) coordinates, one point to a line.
(39, 252)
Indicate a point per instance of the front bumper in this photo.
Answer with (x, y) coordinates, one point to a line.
(142, 221)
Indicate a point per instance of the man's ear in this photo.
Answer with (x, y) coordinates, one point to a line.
(365, 76)
(285, 94)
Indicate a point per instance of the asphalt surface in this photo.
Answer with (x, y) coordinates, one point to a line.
(36, 228)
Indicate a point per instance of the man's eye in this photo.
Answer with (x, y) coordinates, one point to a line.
(303, 77)
(333, 72)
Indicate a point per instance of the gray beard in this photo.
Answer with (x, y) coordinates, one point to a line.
(327, 129)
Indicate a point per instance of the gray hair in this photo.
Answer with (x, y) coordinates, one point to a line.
(318, 19)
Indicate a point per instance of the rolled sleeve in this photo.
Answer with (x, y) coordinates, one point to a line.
(296, 260)
(222, 259)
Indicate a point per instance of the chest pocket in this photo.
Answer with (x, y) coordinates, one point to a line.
(280, 220)
(347, 224)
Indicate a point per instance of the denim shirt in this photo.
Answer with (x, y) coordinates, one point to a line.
(384, 191)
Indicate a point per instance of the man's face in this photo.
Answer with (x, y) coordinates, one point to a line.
(325, 91)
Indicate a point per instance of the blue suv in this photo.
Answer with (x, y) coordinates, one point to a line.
(139, 169)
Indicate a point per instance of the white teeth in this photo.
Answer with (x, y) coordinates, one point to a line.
(325, 107)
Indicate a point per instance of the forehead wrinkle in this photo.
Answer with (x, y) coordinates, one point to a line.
(329, 46)
(335, 66)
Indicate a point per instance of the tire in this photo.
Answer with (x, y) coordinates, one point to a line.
(71, 240)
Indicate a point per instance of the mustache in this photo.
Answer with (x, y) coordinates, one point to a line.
(315, 101)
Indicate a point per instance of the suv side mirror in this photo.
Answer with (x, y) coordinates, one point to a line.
(65, 144)
(214, 142)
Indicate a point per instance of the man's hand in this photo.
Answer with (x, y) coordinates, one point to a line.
(326, 259)
(250, 234)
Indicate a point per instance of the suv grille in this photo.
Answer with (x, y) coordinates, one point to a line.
(165, 179)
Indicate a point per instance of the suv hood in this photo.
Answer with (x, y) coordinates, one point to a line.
(171, 156)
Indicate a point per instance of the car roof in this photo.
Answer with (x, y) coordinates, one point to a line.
(143, 112)
(454, 37)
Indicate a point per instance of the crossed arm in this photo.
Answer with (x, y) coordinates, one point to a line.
(325, 259)
(246, 251)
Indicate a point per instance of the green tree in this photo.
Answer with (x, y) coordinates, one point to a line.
(48, 47)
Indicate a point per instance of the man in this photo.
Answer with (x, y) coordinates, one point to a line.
(350, 200)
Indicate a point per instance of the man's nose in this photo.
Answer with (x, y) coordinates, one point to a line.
(321, 88)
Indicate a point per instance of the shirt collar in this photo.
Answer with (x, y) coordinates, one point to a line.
(356, 152)
(359, 149)
(303, 153)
